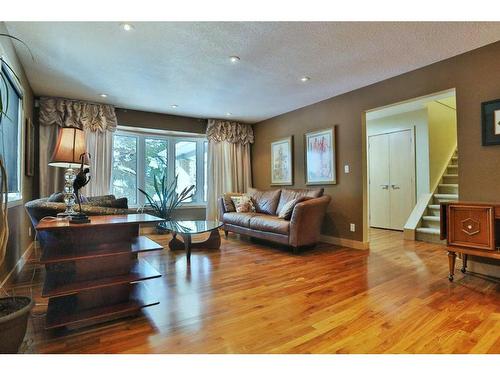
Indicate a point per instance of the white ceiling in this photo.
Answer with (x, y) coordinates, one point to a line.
(163, 63)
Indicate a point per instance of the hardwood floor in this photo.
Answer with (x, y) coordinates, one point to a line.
(253, 297)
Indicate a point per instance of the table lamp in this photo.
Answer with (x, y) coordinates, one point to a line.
(67, 154)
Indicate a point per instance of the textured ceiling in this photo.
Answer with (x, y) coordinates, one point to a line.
(160, 64)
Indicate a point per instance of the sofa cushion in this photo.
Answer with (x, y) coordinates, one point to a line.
(241, 219)
(265, 201)
(290, 194)
(268, 223)
(98, 200)
(287, 209)
(115, 203)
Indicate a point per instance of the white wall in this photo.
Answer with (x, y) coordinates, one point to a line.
(409, 120)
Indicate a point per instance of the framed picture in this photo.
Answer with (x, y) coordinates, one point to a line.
(29, 156)
(320, 157)
(282, 161)
(490, 114)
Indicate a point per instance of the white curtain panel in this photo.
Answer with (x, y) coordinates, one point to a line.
(100, 148)
(229, 166)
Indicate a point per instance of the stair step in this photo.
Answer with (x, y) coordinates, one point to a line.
(429, 230)
(450, 175)
(434, 206)
(446, 196)
(431, 218)
(447, 188)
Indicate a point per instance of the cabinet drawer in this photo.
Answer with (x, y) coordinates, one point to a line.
(471, 226)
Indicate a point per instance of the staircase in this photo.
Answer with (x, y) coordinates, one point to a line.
(447, 190)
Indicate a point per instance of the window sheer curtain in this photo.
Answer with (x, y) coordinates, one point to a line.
(98, 121)
(229, 166)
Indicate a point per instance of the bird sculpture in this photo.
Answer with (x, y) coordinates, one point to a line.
(80, 181)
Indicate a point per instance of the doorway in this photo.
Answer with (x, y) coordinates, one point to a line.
(431, 123)
(391, 182)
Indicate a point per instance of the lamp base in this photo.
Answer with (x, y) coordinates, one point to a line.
(79, 218)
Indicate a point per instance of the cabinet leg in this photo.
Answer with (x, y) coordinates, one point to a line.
(464, 264)
(451, 261)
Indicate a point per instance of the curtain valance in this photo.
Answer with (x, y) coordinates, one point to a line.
(79, 114)
(229, 131)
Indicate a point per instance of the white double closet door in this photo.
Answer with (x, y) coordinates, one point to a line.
(391, 178)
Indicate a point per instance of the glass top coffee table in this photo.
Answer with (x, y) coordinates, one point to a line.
(186, 228)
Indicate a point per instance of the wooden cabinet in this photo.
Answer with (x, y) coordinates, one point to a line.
(470, 229)
(93, 272)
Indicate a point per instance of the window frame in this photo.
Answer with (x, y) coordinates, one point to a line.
(15, 199)
(171, 138)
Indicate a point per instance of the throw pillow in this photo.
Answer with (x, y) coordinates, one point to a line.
(56, 197)
(244, 204)
(287, 209)
(228, 203)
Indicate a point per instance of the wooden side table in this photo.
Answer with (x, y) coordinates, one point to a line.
(93, 272)
(470, 228)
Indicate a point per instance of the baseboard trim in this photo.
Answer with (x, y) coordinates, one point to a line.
(19, 264)
(358, 245)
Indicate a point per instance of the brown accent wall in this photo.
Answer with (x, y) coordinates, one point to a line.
(19, 223)
(476, 77)
(128, 117)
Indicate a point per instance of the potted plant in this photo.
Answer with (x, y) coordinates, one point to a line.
(166, 198)
(14, 310)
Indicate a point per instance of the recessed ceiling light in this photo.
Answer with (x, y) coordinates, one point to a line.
(305, 79)
(174, 106)
(234, 59)
(228, 114)
(127, 26)
(103, 95)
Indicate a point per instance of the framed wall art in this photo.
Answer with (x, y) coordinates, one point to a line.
(490, 122)
(29, 156)
(320, 157)
(282, 161)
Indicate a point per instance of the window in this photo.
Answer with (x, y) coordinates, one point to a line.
(10, 131)
(139, 156)
(124, 174)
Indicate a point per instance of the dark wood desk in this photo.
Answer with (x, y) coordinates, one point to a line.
(93, 272)
(470, 228)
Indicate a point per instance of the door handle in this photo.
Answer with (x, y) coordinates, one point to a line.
(395, 187)
(385, 187)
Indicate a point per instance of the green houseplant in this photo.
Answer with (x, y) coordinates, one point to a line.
(14, 310)
(166, 198)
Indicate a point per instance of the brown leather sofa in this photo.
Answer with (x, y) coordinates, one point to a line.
(303, 228)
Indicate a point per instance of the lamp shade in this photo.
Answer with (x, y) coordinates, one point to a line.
(69, 147)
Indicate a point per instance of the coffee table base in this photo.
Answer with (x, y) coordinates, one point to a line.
(212, 242)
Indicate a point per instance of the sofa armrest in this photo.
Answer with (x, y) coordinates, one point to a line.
(221, 207)
(307, 218)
